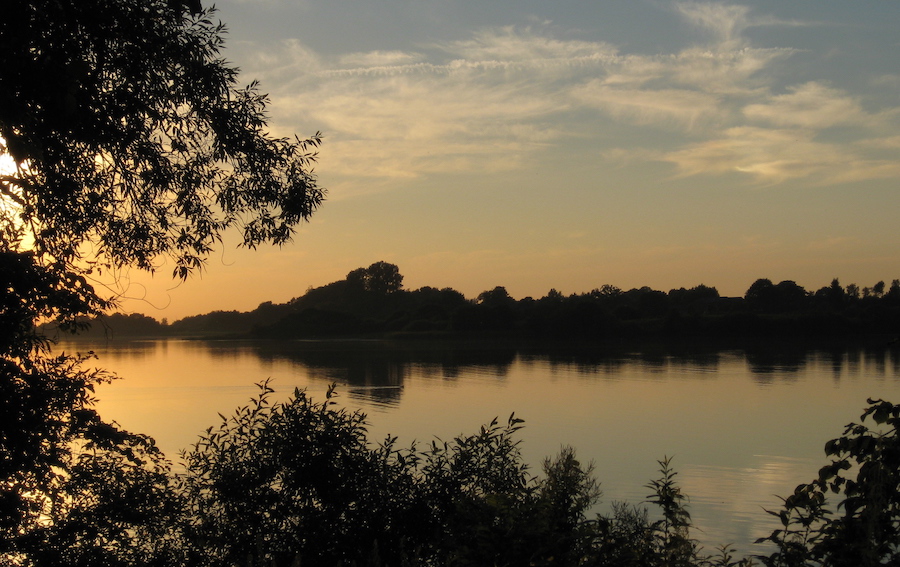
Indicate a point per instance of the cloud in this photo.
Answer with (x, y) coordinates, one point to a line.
(727, 22)
(279, 68)
(393, 115)
(685, 108)
(891, 81)
(379, 59)
(810, 105)
(510, 45)
(498, 99)
(773, 156)
(888, 143)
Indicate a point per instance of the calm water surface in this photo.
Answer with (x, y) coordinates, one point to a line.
(743, 425)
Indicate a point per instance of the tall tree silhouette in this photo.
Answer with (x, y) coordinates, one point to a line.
(131, 143)
(381, 277)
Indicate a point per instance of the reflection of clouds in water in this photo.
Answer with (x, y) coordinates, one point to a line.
(728, 498)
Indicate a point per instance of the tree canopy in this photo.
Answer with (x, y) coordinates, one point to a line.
(132, 139)
(380, 278)
(126, 142)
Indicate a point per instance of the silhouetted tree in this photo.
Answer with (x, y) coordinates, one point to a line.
(606, 290)
(760, 292)
(383, 278)
(554, 296)
(646, 302)
(132, 143)
(128, 131)
(694, 300)
(356, 279)
(765, 296)
(834, 294)
(893, 294)
(497, 297)
(789, 296)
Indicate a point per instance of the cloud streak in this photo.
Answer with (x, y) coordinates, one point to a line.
(498, 99)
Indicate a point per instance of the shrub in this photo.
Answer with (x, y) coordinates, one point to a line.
(275, 484)
(864, 478)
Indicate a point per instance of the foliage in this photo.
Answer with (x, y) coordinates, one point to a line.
(115, 504)
(673, 530)
(132, 145)
(628, 538)
(48, 428)
(567, 493)
(366, 305)
(479, 491)
(129, 132)
(298, 481)
(624, 538)
(380, 278)
(277, 482)
(864, 529)
(75, 490)
(32, 291)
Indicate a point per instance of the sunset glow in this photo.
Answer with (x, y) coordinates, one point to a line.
(570, 145)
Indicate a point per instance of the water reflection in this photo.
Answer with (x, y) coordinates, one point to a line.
(122, 350)
(744, 422)
(776, 360)
(377, 370)
(741, 494)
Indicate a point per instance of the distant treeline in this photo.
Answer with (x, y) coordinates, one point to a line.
(371, 302)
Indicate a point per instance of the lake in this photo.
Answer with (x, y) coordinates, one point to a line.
(742, 424)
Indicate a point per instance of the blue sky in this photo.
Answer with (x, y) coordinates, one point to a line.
(568, 145)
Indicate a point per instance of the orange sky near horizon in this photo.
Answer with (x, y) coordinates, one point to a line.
(570, 145)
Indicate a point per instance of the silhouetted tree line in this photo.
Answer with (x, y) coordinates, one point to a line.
(372, 302)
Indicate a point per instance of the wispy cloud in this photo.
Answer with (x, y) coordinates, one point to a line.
(810, 105)
(773, 156)
(660, 107)
(726, 22)
(500, 97)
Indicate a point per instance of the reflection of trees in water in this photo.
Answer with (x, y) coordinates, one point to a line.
(895, 361)
(763, 361)
(877, 361)
(834, 357)
(609, 358)
(111, 349)
(376, 370)
(785, 361)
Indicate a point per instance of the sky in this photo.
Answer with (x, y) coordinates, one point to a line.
(566, 145)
